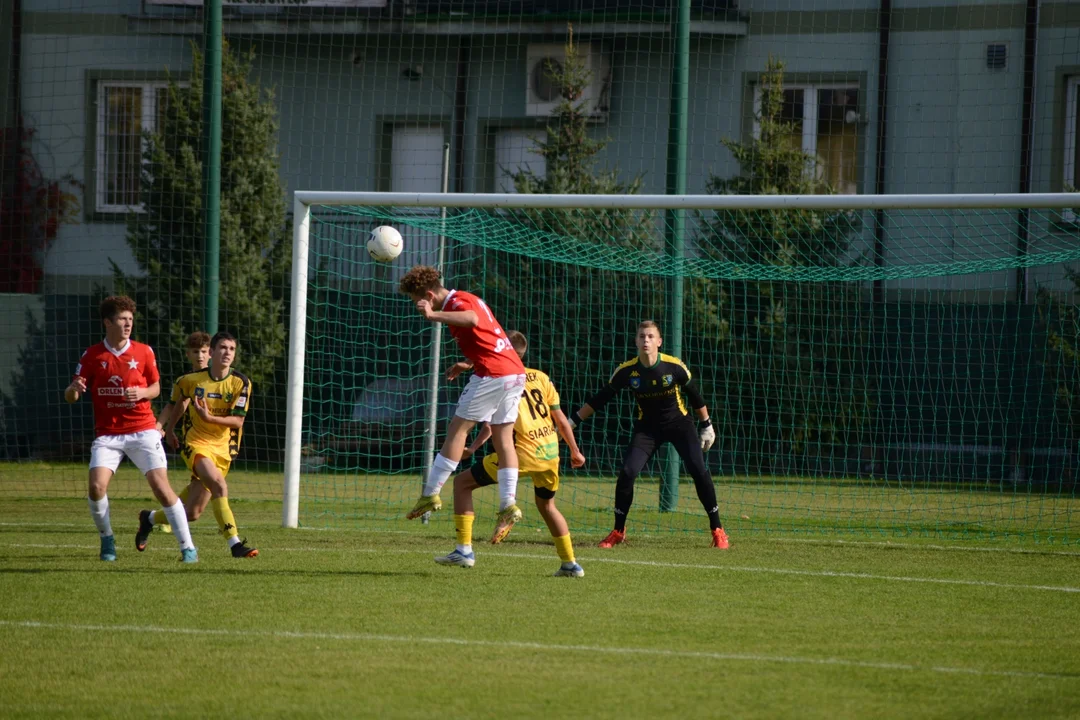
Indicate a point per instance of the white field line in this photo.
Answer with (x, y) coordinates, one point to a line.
(517, 645)
(646, 563)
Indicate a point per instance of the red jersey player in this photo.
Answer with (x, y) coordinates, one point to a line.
(491, 396)
(121, 377)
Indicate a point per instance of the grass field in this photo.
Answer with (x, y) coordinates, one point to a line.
(347, 622)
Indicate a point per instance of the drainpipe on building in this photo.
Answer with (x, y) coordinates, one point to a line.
(461, 101)
(1027, 140)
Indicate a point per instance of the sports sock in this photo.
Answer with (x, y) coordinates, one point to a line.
(565, 548)
(441, 470)
(714, 519)
(225, 520)
(463, 526)
(99, 511)
(620, 520)
(157, 517)
(177, 517)
(508, 480)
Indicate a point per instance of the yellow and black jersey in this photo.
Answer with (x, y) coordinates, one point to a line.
(535, 438)
(664, 392)
(230, 395)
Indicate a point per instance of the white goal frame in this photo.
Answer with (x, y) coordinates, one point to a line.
(303, 200)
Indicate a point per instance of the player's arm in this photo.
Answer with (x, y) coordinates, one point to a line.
(481, 437)
(229, 421)
(75, 390)
(457, 368)
(617, 382)
(456, 318)
(697, 402)
(566, 432)
(138, 394)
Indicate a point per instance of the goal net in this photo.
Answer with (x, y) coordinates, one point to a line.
(879, 365)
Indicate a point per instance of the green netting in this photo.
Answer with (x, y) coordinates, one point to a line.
(923, 403)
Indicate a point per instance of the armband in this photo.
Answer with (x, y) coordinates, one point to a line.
(702, 424)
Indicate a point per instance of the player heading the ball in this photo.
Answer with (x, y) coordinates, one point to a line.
(122, 378)
(491, 396)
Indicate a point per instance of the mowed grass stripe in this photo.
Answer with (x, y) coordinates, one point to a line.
(546, 647)
(641, 563)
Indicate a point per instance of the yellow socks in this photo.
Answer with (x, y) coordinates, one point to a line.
(224, 517)
(565, 548)
(463, 526)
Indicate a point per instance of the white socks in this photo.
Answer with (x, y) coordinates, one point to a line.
(464, 549)
(99, 511)
(441, 470)
(508, 479)
(177, 517)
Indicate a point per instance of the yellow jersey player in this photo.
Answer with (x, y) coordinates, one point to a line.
(539, 424)
(195, 497)
(218, 399)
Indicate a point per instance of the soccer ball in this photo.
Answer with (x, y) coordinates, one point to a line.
(384, 244)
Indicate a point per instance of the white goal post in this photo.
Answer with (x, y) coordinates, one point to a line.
(304, 200)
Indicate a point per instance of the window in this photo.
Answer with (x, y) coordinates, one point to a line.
(826, 120)
(1072, 140)
(416, 158)
(515, 151)
(124, 110)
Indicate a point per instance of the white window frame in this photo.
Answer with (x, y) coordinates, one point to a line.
(1072, 109)
(149, 97)
(810, 109)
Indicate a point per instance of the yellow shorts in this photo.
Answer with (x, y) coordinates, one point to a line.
(221, 460)
(486, 472)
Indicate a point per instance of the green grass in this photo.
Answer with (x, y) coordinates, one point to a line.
(361, 623)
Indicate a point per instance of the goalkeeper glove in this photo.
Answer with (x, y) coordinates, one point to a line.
(575, 420)
(706, 433)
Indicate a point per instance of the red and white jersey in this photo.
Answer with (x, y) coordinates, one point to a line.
(108, 372)
(486, 344)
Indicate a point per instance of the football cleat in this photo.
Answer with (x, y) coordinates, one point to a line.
(189, 555)
(108, 549)
(720, 539)
(426, 504)
(241, 550)
(615, 537)
(570, 570)
(146, 526)
(456, 557)
(505, 520)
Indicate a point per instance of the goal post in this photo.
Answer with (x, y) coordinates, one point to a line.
(615, 245)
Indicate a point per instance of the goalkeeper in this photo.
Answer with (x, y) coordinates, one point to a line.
(662, 385)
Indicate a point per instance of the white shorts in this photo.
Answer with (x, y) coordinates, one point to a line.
(142, 448)
(491, 399)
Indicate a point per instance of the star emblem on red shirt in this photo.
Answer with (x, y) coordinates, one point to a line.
(133, 363)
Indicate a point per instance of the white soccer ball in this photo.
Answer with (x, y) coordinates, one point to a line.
(385, 243)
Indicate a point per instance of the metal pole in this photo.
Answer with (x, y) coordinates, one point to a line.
(211, 162)
(294, 401)
(436, 347)
(676, 219)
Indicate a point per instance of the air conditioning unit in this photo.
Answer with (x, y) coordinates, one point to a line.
(541, 95)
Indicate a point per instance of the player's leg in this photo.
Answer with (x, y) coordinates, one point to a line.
(145, 450)
(642, 446)
(464, 484)
(444, 464)
(195, 498)
(105, 457)
(505, 397)
(545, 487)
(208, 467)
(684, 438)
